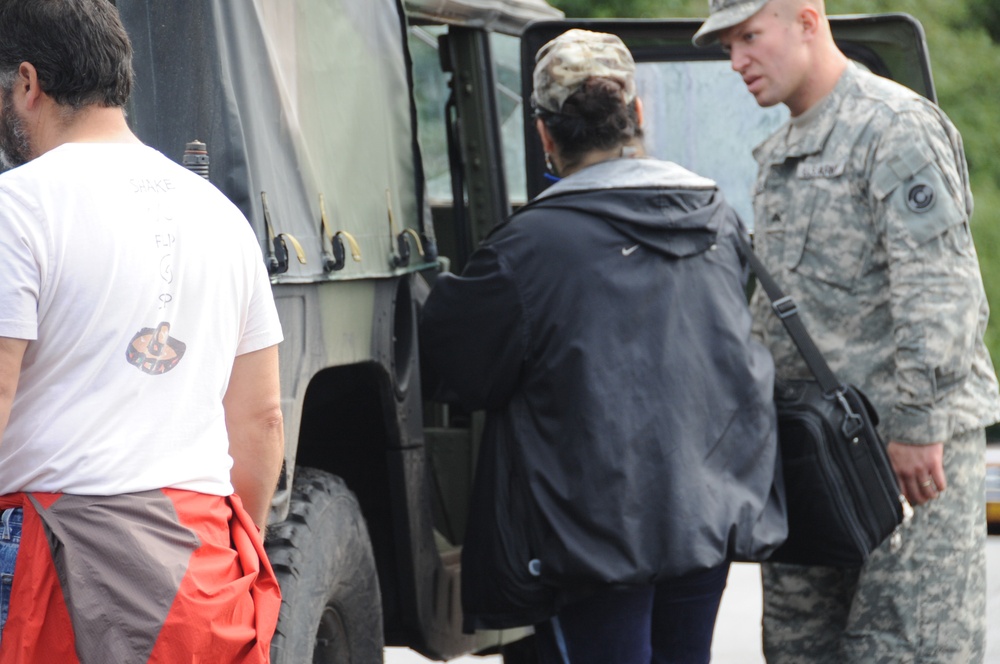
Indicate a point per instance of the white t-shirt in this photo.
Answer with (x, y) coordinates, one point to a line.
(138, 283)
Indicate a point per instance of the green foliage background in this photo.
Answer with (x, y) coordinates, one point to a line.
(963, 37)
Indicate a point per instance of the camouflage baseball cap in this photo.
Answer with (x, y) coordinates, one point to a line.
(566, 62)
(724, 14)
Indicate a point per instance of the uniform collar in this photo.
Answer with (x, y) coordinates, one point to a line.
(786, 143)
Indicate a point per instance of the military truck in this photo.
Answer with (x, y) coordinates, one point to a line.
(372, 144)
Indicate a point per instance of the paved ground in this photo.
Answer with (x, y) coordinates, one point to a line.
(737, 633)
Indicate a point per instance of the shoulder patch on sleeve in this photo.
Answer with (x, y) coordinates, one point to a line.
(899, 168)
(920, 197)
(925, 205)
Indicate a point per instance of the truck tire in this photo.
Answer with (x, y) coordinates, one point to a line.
(331, 608)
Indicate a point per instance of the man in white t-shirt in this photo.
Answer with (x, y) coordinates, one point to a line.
(140, 414)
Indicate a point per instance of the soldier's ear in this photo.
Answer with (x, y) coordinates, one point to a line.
(809, 20)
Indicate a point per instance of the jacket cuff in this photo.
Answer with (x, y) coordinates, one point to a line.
(916, 427)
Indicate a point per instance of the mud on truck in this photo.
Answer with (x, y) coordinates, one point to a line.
(371, 144)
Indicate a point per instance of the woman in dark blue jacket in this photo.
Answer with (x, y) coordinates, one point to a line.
(630, 446)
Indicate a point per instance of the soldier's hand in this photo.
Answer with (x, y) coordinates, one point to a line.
(919, 470)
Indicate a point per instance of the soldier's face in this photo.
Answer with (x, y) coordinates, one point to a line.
(15, 147)
(768, 52)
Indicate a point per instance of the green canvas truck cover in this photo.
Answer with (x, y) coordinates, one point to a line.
(297, 100)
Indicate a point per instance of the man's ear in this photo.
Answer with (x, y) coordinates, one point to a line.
(26, 86)
(809, 19)
(638, 112)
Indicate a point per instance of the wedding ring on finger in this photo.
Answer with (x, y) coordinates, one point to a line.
(928, 482)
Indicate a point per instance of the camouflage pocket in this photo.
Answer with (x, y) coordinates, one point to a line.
(835, 244)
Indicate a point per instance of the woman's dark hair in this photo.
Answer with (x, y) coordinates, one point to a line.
(595, 117)
(78, 47)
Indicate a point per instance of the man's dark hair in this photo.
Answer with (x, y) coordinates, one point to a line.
(79, 48)
(595, 117)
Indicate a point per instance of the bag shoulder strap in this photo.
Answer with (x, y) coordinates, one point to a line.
(787, 311)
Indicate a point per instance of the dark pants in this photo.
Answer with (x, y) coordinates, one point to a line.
(669, 623)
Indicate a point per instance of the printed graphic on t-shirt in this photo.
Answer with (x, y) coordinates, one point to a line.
(154, 351)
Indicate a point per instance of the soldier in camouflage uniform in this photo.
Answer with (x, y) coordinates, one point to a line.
(862, 207)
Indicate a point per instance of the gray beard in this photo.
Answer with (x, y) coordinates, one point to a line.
(15, 148)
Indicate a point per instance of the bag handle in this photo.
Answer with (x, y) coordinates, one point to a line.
(787, 311)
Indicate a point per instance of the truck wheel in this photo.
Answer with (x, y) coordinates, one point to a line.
(331, 608)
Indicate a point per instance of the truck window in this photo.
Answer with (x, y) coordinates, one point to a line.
(507, 64)
(700, 115)
(430, 92)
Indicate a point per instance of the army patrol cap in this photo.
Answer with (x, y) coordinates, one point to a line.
(564, 64)
(724, 14)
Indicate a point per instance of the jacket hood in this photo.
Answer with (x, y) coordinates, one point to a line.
(656, 204)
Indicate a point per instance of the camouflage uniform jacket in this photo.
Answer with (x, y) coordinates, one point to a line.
(864, 219)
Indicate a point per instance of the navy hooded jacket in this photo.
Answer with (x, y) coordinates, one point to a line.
(630, 431)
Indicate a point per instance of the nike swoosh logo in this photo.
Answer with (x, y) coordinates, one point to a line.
(628, 251)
